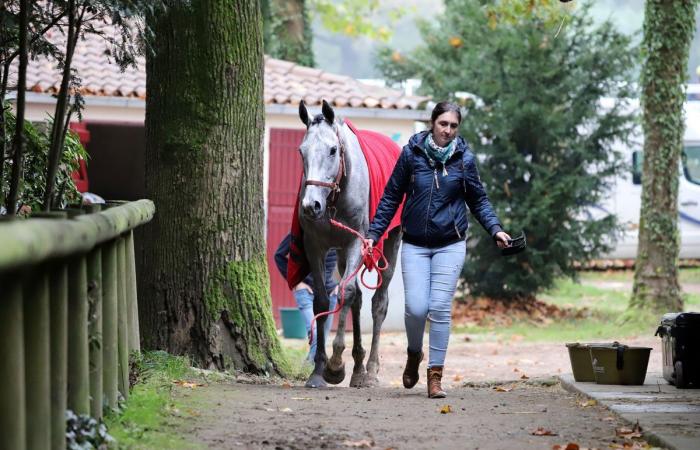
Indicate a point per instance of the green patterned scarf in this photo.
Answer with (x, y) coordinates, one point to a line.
(436, 153)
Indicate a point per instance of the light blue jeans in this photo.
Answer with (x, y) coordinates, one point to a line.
(305, 303)
(429, 280)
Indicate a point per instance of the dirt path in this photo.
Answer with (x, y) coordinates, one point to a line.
(281, 415)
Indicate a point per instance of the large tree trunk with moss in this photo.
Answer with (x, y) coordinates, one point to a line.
(287, 31)
(668, 31)
(205, 287)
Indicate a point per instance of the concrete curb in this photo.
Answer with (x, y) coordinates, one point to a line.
(669, 417)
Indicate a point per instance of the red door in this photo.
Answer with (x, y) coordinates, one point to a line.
(284, 175)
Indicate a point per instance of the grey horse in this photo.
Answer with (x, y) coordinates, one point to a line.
(336, 184)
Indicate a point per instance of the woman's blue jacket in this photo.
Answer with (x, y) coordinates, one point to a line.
(435, 212)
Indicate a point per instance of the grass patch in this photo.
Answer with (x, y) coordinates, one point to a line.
(299, 367)
(601, 314)
(152, 412)
(686, 275)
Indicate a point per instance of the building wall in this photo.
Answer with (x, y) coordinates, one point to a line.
(118, 123)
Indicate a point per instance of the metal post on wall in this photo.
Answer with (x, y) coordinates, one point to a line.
(12, 389)
(110, 336)
(122, 317)
(37, 359)
(94, 279)
(132, 295)
(58, 287)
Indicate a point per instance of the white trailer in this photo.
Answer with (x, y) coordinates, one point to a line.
(626, 193)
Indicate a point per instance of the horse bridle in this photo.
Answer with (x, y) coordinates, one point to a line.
(335, 185)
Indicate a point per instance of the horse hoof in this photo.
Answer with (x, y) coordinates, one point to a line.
(370, 380)
(357, 380)
(334, 376)
(315, 381)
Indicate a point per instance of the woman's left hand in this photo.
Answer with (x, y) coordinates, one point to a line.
(502, 239)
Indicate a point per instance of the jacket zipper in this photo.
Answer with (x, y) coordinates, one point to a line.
(454, 222)
(430, 199)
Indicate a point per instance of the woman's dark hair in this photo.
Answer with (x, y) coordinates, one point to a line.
(444, 107)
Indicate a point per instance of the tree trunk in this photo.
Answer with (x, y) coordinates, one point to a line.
(668, 31)
(58, 130)
(288, 33)
(205, 284)
(18, 142)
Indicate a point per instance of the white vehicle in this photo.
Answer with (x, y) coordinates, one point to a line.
(625, 198)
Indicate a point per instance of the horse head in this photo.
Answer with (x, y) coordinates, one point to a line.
(322, 151)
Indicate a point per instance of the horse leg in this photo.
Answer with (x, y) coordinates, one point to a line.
(335, 369)
(380, 303)
(321, 304)
(350, 257)
(358, 353)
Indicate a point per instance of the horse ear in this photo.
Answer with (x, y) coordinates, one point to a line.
(303, 113)
(328, 112)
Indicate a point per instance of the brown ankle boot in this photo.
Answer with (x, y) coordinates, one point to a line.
(410, 373)
(434, 382)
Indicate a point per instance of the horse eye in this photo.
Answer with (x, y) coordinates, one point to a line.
(333, 150)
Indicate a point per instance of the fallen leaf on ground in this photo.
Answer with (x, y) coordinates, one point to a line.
(286, 385)
(364, 443)
(445, 409)
(569, 446)
(609, 419)
(302, 398)
(587, 403)
(524, 377)
(541, 431)
(515, 369)
(467, 339)
(637, 445)
(187, 384)
(286, 410)
(458, 377)
(629, 433)
(502, 389)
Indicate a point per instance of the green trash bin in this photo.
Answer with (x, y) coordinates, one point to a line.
(581, 365)
(619, 364)
(293, 326)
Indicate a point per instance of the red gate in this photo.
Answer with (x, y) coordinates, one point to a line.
(284, 175)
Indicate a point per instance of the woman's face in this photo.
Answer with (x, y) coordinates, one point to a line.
(445, 128)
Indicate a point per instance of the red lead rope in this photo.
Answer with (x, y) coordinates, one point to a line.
(368, 263)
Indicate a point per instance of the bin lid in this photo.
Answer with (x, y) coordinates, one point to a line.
(681, 319)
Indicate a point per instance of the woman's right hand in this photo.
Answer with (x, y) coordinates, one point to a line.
(368, 243)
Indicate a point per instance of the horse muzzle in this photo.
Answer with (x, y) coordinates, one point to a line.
(313, 209)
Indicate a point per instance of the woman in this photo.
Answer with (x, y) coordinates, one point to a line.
(437, 173)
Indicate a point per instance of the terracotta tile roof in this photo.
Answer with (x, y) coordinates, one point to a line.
(285, 83)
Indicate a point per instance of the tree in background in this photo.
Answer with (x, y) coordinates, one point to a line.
(205, 282)
(51, 29)
(287, 31)
(534, 119)
(668, 30)
(287, 24)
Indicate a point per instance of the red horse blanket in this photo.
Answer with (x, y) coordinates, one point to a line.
(381, 154)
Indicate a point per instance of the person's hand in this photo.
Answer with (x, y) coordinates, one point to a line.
(303, 285)
(502, 239)
(369, 243)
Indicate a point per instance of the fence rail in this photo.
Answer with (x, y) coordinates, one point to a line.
(69, 312)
